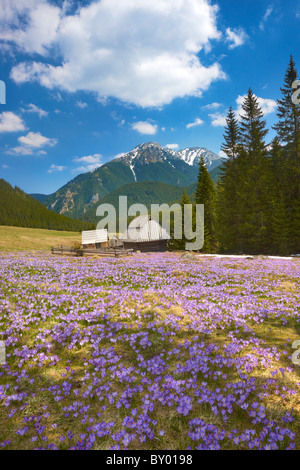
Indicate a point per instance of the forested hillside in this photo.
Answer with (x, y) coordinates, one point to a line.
(21, 210)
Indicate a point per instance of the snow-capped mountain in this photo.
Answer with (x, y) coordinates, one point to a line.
(192, 156)
(147, 162)
(153, 152)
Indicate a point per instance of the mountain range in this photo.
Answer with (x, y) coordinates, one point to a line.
(148, 162)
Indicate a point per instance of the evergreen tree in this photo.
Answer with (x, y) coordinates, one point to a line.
(179, 244)
(227, 202)
(253, 126)
(254, 198)
(288, 113)
(228, 210)
(281, 228)
(288, 133)
(205, 194)
(21, 210)
(231, 135)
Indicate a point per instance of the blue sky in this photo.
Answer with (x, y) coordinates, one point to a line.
(88, 80)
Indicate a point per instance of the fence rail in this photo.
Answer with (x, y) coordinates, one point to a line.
(116, 252)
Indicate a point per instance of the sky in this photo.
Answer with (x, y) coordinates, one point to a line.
(86, 81)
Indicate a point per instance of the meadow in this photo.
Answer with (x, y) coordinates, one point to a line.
(25, 239)
(149, 352)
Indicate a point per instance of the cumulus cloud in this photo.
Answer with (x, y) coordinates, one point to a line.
(32, 108)
(218, 119)
(197, 122)
(36, 140)
(32, 143)
(267, 106)
(144, 127)
(38, 32)
(142, 52)
(89, 163)
(81, 104)
(236, 37)
(54, 168)
(10, 122)
(172, 146)
(212, 106)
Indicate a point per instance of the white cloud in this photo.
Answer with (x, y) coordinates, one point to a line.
(212, 106)
(267, 106)
(269, 11)
(36, 140)
(172, 146)
(38, 32)
(145, 127)
(10, 122)
(53, 168)
(91, 162)
(22, 150)
(32, 108)
(236, 37)
(89, 158)
(197, 122)
(139, 51)
(31, 144)
(218, 119)
(5, 167)
(81, 104)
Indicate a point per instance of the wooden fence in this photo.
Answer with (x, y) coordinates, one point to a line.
(69, 250)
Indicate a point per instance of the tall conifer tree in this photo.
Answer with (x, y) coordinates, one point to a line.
(231, 135)
(288, 133)
(288, 113)
(254, 198)
(205, 194)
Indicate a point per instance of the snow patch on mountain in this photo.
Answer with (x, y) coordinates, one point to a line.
(152, 152)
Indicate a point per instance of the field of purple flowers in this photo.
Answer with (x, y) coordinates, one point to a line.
(149, 352)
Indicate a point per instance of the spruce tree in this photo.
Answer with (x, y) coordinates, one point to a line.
(231, 135)
(281, 227)
(288, 113)
(254, 197)
(228, 216)
(288, 133)
(205, 194)
(253, 126)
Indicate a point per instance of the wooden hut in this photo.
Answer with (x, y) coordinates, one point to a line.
(94, 239)
(145, 234)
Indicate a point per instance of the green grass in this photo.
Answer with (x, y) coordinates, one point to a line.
(28, 239)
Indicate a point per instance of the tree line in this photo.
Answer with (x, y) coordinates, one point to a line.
(255, 206)
(21, 210)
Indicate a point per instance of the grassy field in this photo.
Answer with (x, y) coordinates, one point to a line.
(27, 239)
(149, 352)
